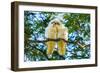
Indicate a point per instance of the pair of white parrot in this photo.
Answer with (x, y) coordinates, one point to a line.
(56, 30)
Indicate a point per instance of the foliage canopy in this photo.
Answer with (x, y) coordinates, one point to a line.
(78, 25)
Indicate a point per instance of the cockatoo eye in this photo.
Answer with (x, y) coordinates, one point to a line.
(56, 23)
(53, 23)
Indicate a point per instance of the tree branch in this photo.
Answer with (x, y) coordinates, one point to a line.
(46, 40)
(56, 40)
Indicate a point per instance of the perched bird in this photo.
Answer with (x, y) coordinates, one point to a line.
(51, 33)
(56, 30)
(63, 35)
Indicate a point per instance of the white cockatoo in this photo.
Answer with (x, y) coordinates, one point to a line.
(51, 33)
(56, 30)
(63, 35)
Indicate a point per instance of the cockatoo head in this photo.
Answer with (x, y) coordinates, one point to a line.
(55, 22)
